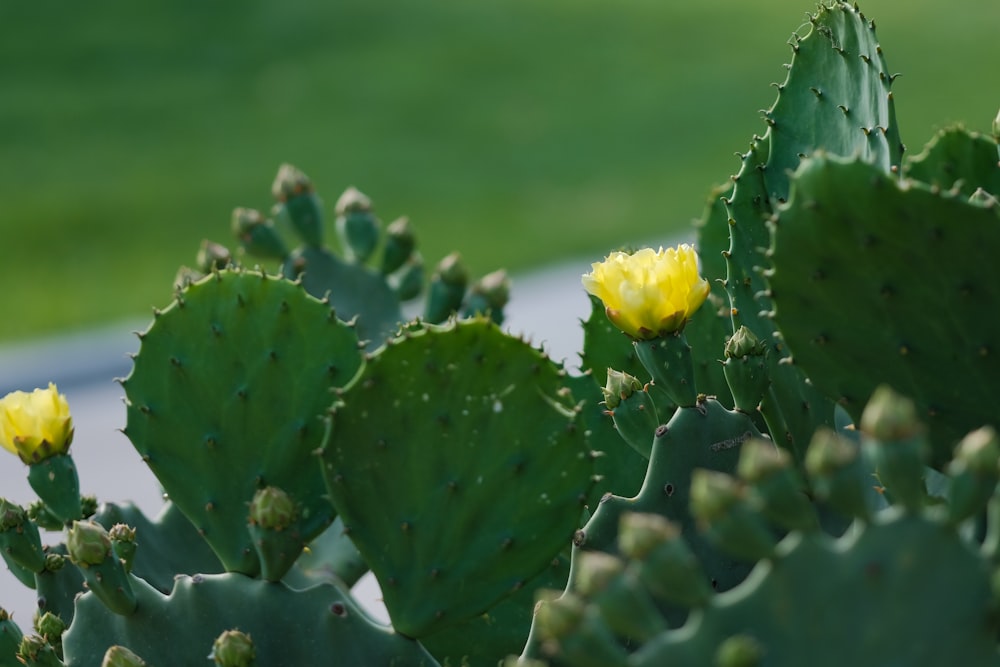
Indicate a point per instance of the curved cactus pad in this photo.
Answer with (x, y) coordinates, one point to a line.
(904, 591)
(321, 625)
(957, 159)
(457, 466)
(877, 281)
(227, 395)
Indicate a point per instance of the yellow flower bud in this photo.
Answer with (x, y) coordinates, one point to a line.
(649, 293)
(35, 426)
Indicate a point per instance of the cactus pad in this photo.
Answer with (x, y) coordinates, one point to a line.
(179, 629)
(908, 584)
(705, 436)
(837, 99)
(877, 281)
(235, 376)
(957, 159)
(352, 289)
(457, 487)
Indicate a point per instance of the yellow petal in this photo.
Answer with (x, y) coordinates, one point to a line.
(648, 293)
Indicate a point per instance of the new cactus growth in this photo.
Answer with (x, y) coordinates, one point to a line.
(780, 450)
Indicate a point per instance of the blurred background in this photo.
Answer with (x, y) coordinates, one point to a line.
(516, 131)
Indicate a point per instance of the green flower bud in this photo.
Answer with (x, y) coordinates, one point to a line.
(212, 255)
(20, 542)
(559, 617)
(356, 225)
(123, 542)
(185, 277)
(739, 651)
(50, 626)
(88, 543)
(977, 452)
(835, 469)
(624, 603)
(574, 636)
(746, 369)
(640, 533)
(244, 220)
(54, 562)
(452, 271)
(35, 651)
(298, 204)
(596, 571)
(974, 473)
(634, 414)
(489, 294)
(409, 280)
(353, 201)
(776, 487)
(761, 459)
(400, 243)
(713, 494)
(39, 512)
(743, 344)
(12, 515)
(233, 649)
(895, 442)
(619, 386)
(289, 183)
(890, 416)
(718, 503)
(447, 289)
(119, 656)
(257, 235)
(667, 566)
(272, 508)
(88, 506)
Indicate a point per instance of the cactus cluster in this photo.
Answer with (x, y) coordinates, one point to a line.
(804, 471)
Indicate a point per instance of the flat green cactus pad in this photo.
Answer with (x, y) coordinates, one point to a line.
(837, 602)
(957, 159)
(458, 468)
(320, 625)
(352, 289)
(877, 281)
(227, 395)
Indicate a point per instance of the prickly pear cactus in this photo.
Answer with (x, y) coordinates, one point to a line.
(877, 280)
(369, 277)
(704, 436)
(837, 98)
(959, 160)
(459, 469)
(235, 375)
(319, 623)
(907, 584)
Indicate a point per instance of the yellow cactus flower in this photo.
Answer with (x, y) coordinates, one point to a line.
(35, 426)
(649, 293)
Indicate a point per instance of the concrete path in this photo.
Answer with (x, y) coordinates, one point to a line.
(546, 306)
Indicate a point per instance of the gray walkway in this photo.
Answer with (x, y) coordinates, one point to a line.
(546, 306)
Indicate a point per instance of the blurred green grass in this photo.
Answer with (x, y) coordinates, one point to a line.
(518, 132)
